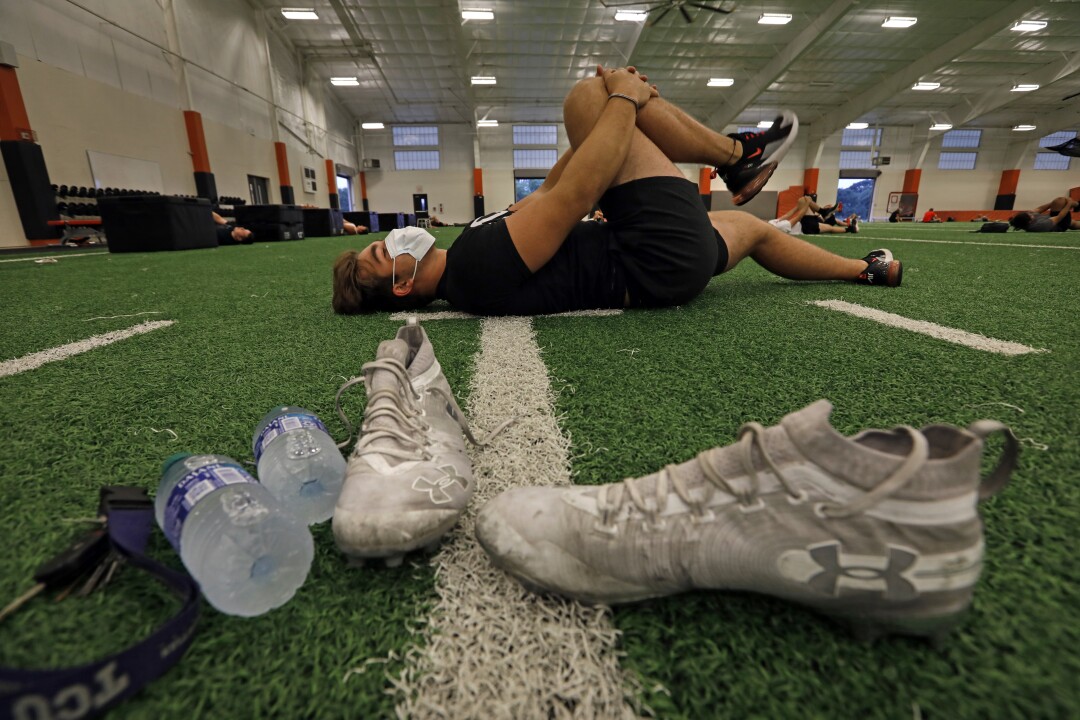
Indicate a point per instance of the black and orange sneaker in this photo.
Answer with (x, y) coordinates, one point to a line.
(881, 269)
(761, 153)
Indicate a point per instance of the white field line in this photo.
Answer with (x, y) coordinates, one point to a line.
(970, 242)
(36, 360)
(455, 315)
(53, 257)
(490, 648)
(960, 337)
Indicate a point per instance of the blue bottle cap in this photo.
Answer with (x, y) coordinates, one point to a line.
(177, 457)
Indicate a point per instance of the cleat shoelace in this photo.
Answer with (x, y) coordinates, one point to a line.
(406, 424)
(612, 498)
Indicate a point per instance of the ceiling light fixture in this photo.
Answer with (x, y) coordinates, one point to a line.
(1029, 25)
(774, 19)
(478, 14)
(720, 82)
(483, 80)
(372, 126)
(631, 15)
(857, 126)
(1023, 128)
(1024, 87)
(941, 126)
(345, 81)
(926, 86)
(487, 123)
(765, 124)
(299, 13)
(899, 22)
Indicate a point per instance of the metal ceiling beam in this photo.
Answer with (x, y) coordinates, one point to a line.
(780, 62)
(972, 109)
(931, 61)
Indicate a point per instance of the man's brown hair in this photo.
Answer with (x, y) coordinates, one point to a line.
(353, 295)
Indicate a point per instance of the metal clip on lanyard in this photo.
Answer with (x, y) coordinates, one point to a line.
(88, 690)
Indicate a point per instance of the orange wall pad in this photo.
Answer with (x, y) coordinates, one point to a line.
(200, 159)
(14, 122)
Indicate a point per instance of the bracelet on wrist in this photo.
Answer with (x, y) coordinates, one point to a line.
(625, 97)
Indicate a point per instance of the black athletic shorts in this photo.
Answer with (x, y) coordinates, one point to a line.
(811, 225)
(661, 234)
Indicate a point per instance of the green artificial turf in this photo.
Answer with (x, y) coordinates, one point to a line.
(253, 329)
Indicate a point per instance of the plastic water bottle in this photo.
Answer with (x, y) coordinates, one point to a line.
(299, 462)
(248, 554)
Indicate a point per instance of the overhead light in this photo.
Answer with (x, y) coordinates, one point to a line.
(631, 15)
(483, 80)
(1024, 87)
(487, 123)
(926, 86)
(720, 82)
(345, 81)
(765, 124)
(899, 22)
(372, 126)
(1023, 128)
(941, 126)
(299, 13)
(857, 126)
(774, 19)
(477, 14)
(1029, 25)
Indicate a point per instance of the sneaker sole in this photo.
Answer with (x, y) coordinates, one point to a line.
(752, 188)
(895, 275)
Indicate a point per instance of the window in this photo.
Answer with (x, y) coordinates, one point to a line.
(855, 159)
(536, 135)
(1051, 161)
(961, 139)
(416, 135)
(866, 137)
(535, 159)
(956, 161)
(1057, 138)
(416, 159)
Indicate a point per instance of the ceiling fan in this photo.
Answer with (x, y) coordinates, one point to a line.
(668, 5)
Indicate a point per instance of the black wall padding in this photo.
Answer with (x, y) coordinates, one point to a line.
(30, 185)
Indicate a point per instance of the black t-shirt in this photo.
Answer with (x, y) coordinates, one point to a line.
(485, 274)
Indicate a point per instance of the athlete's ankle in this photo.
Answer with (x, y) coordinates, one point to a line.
(735, 154)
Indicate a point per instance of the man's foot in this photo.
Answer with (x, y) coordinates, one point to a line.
(853, 224)
(761, 153)
(880, 530)
(409, 478)
(839, 207)
(881, 269)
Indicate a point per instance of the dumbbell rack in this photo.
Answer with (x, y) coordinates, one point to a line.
(81, 221)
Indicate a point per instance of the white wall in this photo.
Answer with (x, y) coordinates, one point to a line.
(90, 85)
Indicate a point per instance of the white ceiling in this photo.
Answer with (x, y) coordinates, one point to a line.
(833, 64)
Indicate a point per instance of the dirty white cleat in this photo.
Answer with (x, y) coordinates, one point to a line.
(409, 478)
(880, 531)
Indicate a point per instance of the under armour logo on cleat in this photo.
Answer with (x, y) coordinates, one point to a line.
(437, 489)
(836, 570)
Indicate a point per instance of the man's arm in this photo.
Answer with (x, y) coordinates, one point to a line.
(539, 230)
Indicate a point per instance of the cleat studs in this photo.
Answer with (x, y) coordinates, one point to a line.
(355, 562)
(394, 561)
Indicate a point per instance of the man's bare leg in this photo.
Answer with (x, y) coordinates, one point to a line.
(778, 252)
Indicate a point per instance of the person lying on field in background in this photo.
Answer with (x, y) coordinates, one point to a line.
(228, 233)
(803, 219)
(1054, 216)
(658, 248)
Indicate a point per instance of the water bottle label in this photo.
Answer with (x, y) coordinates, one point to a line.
(192, 488)
(283, 424)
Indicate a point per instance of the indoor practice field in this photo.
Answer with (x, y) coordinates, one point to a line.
(252, 328)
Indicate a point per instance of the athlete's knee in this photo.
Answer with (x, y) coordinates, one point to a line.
(582, 108)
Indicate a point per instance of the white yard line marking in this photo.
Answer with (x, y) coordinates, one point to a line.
(960, 337)
(490, 648)
(969, 242)
(54, 257)
(455, 315)
(36, 360)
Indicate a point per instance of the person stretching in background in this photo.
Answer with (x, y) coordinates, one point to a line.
(1054, 216)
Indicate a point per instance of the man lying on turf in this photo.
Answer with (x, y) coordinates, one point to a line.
(806, 218)
(659, 247)
(1054, 216)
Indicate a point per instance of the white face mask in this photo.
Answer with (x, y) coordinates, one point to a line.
(409, 241)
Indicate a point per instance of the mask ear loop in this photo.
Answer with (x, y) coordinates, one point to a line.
(393, 270)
